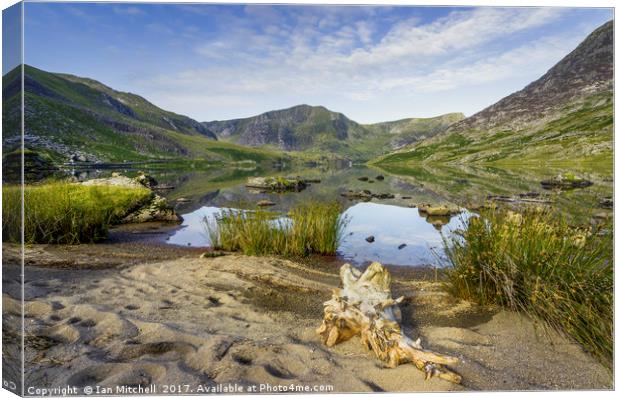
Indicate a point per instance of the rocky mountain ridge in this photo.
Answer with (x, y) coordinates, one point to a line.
(587, 70)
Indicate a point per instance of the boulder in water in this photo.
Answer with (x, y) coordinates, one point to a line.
(566, 181)
(157, 209)
(276, 183)
(146, 180)
(365, 195)
(384, 195)
(443, 210)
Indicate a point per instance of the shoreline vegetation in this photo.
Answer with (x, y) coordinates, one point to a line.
(535, 263)
(310, 228)
(66, 213)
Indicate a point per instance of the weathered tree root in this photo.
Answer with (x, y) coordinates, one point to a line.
(364, 307)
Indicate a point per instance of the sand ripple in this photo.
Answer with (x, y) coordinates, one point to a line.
(246, 320)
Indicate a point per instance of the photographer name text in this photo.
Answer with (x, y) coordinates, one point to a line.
(152, 389)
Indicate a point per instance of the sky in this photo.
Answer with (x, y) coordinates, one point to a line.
(11, 37)
(217, 62)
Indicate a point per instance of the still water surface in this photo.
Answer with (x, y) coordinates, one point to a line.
(391, 226)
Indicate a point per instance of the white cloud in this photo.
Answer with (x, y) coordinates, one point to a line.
(365, 30)
(509, 64)
(308, 55)
(456, 32)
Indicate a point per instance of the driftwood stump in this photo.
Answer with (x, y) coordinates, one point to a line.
(365, 307)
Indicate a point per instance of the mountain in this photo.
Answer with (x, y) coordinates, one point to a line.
(69, 116)
(319, 130)
(407, 131)
(566, 115)
(296, 128)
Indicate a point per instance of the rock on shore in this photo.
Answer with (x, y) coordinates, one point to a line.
(156, 208)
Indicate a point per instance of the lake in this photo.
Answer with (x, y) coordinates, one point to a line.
(402, 235)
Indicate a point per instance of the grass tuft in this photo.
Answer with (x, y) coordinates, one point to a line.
(536, 263)
(66, 213)
(311, 228)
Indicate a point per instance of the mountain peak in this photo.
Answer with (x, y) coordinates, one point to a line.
(585, 70)
(294, 128)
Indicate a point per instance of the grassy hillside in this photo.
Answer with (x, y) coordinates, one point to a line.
(403, 132)
(579, 132)
(68, 116)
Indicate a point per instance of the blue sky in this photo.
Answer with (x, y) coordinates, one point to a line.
(11, 35)
(373, 64)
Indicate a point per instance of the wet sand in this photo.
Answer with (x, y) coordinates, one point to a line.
(142, 313)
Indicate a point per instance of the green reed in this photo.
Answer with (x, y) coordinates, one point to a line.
(310, 228)
(66, 213)
(536, 263)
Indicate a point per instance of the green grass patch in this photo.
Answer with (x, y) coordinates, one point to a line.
(536, 263)
(310, 228)
(581, 131)
(66, 213)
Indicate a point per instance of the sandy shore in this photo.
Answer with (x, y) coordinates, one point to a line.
(112, 314)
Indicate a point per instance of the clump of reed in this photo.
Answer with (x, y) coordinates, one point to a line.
(536, 263)
(310, 228)
(65, 213)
